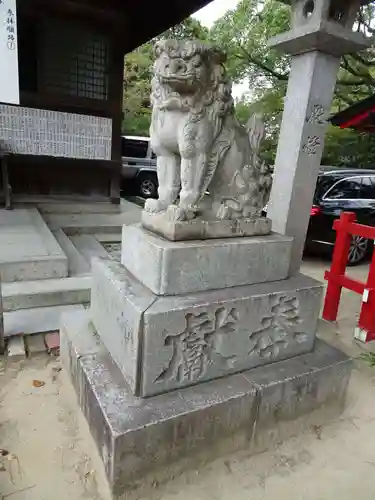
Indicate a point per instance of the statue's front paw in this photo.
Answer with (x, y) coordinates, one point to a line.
(250, 212)
(153, 206)
(175, 213)
(224, 212)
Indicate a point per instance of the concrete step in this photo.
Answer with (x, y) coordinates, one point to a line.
(89, 247)
(93, 223)
(16, 349)
(77, 264)
(66, 204)
(108, 237)
(38, 320)
(28, 249)
(43, 293)
(79, 208)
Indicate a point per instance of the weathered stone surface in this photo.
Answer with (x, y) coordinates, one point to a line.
(89, 247)
(134, 435)
(153, 439)
(307, 106)
(78, 337)
(43, 293)
(28, 250)
(208, 335)
(118, 302)
(208, 164)
(164, 343)
(291, 390)
(77, 264)
(327, 37)
(16, 348)
(328, 29)
(199, 229)
(35, 344)
(171, 268)
(94, 223)
(35, 320)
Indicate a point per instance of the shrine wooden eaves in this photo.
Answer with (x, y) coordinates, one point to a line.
(135, 22)
(360, 116)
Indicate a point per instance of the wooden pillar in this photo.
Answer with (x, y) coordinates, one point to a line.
(2, 337)
(116, 78)
(5, 181)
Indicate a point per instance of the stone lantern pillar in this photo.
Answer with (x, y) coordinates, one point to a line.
(321, 32)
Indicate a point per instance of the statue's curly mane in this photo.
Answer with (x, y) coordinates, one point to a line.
(193, 117)
(213, 99)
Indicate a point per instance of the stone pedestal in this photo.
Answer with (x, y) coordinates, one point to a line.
(143, 441)
(195, 349)
(164, 343)
(172, 268)
(198, 229)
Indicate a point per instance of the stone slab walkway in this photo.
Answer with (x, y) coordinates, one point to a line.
(30, 239)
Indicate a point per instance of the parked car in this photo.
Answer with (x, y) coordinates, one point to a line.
(139, 166)
(338, 190)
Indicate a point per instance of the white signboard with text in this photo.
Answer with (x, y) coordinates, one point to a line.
(9, 85)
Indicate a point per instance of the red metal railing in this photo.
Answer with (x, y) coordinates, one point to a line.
(346, 227)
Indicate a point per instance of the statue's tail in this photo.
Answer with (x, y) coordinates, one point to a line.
(256, 130)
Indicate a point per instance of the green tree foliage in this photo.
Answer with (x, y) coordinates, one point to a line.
(346, 148)
(243, 33)
(137, 88)
(189, 29)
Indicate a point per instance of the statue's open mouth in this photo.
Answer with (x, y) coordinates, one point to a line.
(183, 84)
(177, 78)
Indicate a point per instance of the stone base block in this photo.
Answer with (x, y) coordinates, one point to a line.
(153, 439)
(198, 229)
(165, 343)
(172, 268)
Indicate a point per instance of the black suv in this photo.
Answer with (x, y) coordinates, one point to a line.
(337, 190)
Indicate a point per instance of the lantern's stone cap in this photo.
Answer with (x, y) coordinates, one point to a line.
(327, 37)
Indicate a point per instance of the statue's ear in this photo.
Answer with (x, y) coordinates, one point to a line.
(158, 48)
(218, 56)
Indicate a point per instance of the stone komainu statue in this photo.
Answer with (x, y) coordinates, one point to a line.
(205, 159)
